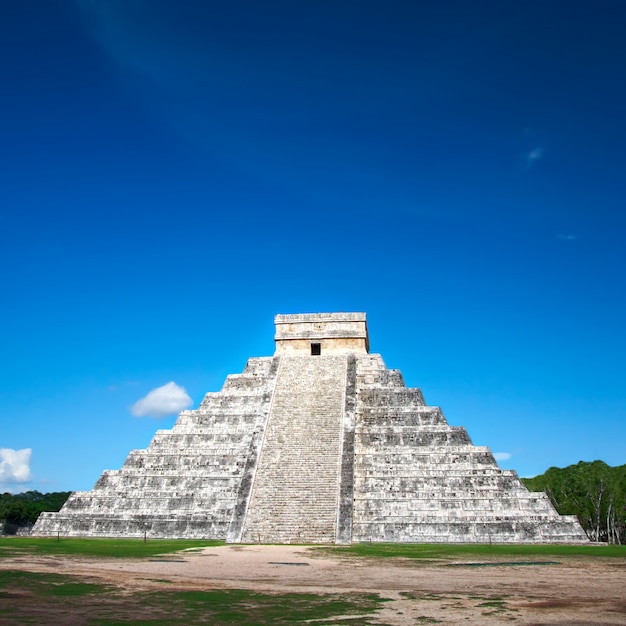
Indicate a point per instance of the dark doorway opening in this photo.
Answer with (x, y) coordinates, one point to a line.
(316, 349)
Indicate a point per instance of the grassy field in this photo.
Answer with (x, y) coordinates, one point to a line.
(454, 551)
(116, 548)
(54, 598)
(35, 597)
(137, 548)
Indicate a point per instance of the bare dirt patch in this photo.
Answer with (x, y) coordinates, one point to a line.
(572, 590)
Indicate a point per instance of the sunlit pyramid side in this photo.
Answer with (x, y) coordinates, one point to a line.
(320, 443)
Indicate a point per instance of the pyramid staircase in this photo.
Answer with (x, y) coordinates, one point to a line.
(296, 487)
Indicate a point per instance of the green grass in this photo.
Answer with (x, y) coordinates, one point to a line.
(117, 548)
(240, 606)
(496, 604)
(442, 551)
(46, 585)
(26, 596)
(137, 548)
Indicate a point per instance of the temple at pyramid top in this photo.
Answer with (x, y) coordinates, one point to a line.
(321, 333)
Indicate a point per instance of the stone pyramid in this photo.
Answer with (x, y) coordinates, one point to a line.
(320, 443)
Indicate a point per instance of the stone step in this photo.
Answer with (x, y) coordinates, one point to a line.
(297, 476)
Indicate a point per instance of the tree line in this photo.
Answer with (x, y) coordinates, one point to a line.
(21, 510)
(594, 492)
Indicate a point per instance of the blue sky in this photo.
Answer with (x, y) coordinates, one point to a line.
(174, 174)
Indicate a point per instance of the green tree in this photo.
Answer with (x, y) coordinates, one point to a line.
(594, 492)
(22, 510)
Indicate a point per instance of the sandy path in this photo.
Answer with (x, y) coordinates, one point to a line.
(573, 591)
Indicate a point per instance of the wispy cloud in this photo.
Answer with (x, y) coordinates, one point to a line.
(567, 237)
(169, 399)
(15, 465)
(502, 456)
(534, 155)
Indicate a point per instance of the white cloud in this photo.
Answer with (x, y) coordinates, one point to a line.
(169, 399)
(536, 154)
(15, 465)
(566, 237)
(502, 456)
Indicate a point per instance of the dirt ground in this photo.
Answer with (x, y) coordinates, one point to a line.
(572, 591)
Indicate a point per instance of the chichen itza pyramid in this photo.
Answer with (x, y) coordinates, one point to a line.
(320, 443)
